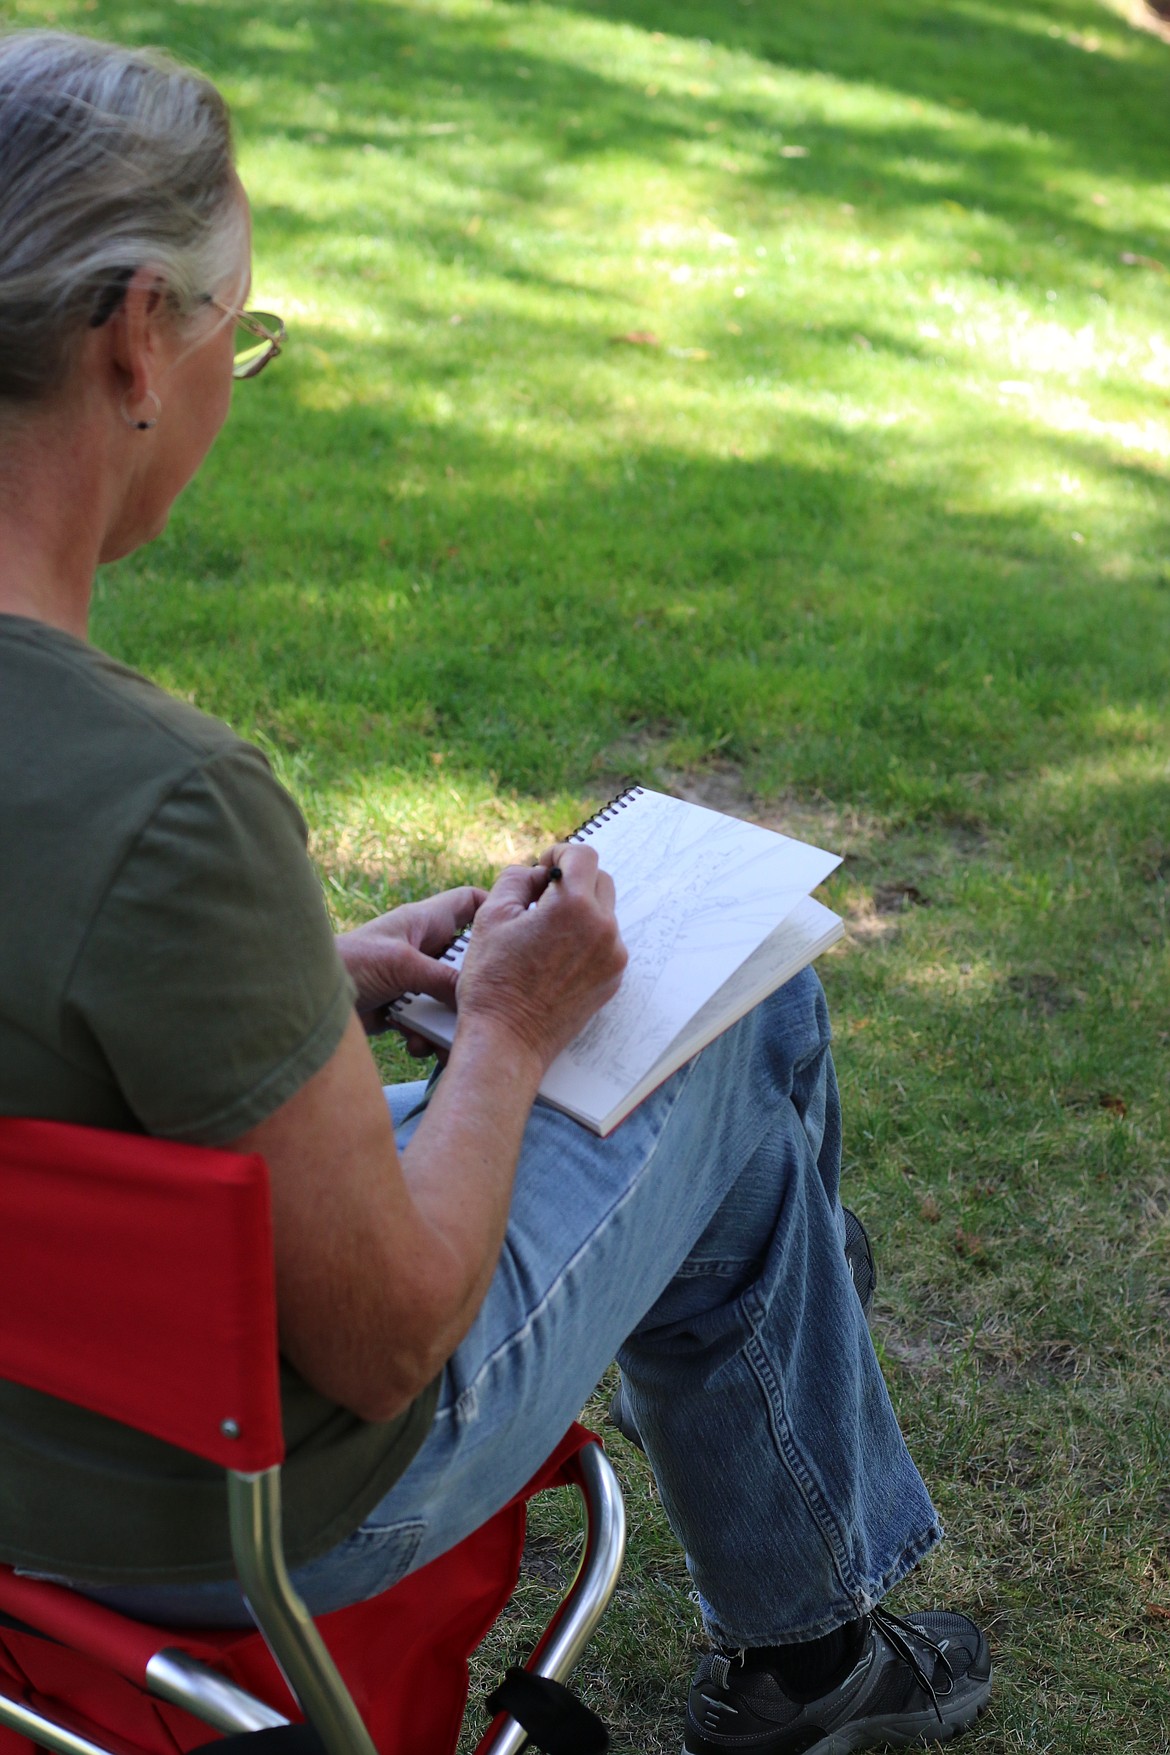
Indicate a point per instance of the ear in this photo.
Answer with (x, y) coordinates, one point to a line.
(136, 335)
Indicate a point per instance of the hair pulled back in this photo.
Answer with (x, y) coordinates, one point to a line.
(109, 158)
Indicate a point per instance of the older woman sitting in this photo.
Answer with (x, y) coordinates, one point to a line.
(456, 1266)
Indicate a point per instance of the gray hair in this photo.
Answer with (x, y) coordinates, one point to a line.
(109, 158)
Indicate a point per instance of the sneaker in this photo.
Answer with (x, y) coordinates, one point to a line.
(621, 1417)
(916, 1682)
(859, 1255)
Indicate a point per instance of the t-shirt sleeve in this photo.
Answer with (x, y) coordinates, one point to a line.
(209, 979)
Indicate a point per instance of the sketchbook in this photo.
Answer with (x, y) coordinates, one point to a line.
(715, 913)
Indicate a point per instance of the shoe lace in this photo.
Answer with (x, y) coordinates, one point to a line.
(900, 1633)
(722, 1664)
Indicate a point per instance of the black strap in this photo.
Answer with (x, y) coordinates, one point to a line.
(557, 1722)
(276, 1740)
(11, 1622)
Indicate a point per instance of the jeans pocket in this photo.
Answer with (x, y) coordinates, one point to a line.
(368, 1562)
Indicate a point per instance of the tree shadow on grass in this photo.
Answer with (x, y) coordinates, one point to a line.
(1043, 69)
(823, 613)
(363, 77)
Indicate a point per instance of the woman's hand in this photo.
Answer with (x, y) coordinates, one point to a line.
(402, 952)
(546, 953)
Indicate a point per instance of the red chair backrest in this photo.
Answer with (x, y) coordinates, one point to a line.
(136, 1280)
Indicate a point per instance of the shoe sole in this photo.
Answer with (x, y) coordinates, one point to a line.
(898, 1731)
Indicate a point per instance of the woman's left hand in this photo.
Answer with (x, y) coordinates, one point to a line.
(402, 952)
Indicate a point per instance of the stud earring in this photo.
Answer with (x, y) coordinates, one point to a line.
(141, 426)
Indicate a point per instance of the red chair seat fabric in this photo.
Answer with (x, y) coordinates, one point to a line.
(403, 1655)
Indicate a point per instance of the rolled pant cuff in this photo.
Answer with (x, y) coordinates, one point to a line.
(837, 1615)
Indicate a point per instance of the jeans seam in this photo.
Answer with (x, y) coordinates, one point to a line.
(717, 1267)
(830, 1531)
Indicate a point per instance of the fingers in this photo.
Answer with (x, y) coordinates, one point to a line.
(420, 973)
(516, 888)
(579, 870)
(465, 903)
(545, 969)
(571, 854)
(437, 920)
(402, 951)
(578, 875)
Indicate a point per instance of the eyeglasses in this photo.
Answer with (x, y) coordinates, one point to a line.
(259, 334)
(259, 338)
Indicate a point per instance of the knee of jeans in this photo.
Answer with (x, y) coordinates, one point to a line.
(700, 1292)
(788, 1028)
(803, 1014)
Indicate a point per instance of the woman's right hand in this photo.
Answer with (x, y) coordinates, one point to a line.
(545, 954)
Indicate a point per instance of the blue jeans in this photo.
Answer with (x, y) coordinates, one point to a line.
(702, 1244)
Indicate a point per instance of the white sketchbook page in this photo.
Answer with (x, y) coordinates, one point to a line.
(810, 929)
(697, 893)
(601, 1102)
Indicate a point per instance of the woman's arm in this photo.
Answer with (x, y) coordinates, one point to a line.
(381, 1261)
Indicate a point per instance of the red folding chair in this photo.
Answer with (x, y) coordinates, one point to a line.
(137, 1280)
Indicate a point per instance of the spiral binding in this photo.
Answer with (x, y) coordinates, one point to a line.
(620, 801)
(451, 954)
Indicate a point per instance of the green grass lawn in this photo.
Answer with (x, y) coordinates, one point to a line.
(866, 534)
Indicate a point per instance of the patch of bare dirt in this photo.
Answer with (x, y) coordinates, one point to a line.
(924, 1350)
(1045, 993)
(544, 1558)
(720, 786)
(896, 898)
(863, 923)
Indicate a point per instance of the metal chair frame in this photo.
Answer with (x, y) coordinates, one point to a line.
(298, 1648)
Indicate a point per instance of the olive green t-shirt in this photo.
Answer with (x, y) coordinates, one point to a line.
(166, 967)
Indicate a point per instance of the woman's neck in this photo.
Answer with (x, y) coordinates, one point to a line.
(52, 518)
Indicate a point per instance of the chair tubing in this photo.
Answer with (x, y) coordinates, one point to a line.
(187, 1682)
(291, 1637)
(49, 1733)
(572, 1626)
